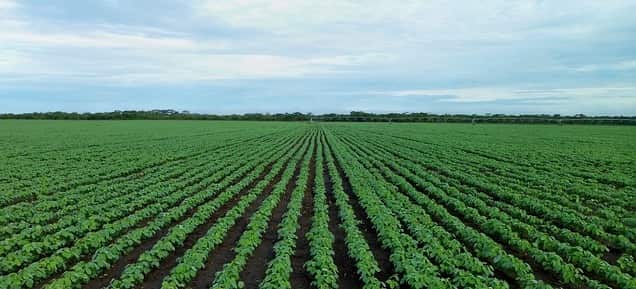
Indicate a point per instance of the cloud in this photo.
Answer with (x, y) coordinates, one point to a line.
(615, 66)
(283, 15)
(8, 19)
(472, 20)
(8, 5)
(626, 94)
(185, 67)
(139, 67)
(514, 55)
(102, 39)
(131, 55)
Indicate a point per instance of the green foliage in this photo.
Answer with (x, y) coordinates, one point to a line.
(452, 205)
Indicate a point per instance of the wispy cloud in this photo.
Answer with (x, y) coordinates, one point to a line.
(614, 66)
(7, 4)
(137, 55)
(492, 94)
(103, 39)
(482, 56)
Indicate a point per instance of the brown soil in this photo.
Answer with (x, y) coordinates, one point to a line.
(224, 253)
(539, 272)
(154, 278)
(254, 271)
(348, 276)
(300, 278)
(382, 256)
(612, 256)
(117, 268)
(122, 262)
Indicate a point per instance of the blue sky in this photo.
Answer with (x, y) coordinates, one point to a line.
(319, 56)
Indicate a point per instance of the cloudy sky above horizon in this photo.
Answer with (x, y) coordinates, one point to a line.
(238, 56)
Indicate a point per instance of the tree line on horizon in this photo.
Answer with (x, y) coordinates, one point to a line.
(354, 116)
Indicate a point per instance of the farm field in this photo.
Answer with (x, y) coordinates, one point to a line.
(204, 204)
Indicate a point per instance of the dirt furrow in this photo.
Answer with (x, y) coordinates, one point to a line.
(117, 268)
(381, 255)
(224, 253)
(254, 272)
(300, 278)
(348, 276)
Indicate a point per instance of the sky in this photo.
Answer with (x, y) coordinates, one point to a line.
(238, 56)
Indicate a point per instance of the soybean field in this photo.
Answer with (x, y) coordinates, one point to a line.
(222, 204)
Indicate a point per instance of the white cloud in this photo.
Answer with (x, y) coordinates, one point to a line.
(452, 38)
(186, 67)
(8, 17)
(470, 20)
(102, 39)
(138, 67)
(6, 5)
(490, 94)
(280, 14)
(338, 37)
(11, 61)
(499, 46)
(621, 65)
(119, 54)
